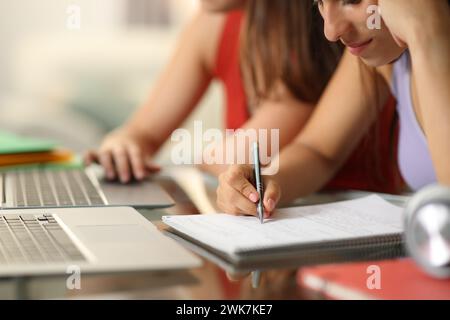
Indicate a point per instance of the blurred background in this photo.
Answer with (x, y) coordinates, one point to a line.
(73, 80)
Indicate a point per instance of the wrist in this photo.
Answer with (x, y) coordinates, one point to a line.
(140, 134)
(134, 130)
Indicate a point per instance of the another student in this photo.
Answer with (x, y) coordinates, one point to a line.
(408, 56)
(283, 81)
(209, 49)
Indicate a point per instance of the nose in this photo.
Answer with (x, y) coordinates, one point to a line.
(335, 23)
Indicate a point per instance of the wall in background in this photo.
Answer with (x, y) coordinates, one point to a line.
(20, 19)
(74, 85)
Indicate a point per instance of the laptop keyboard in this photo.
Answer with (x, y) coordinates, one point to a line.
(50, 187)
(30, 238)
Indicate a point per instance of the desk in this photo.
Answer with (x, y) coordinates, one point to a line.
(206, 282)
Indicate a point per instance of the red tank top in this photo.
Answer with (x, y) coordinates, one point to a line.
(228, 71)
(380, 144)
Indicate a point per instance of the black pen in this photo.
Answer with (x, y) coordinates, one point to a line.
(258, 182)
(256, 275)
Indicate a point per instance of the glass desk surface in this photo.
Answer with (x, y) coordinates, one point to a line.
(210, 281)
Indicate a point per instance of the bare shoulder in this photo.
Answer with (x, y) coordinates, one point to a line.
(207, 29)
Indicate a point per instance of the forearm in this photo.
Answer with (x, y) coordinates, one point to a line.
(431, 71)
(302, 171)
(138, 125)
(165, 111)
(181, 84)
(329, 137)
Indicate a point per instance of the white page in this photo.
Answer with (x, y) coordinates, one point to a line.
(369, 216)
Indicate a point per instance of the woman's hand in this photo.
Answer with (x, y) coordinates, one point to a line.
(124, 154)
(236, 194)
(406, 19)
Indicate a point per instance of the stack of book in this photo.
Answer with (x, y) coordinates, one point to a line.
(16, 150)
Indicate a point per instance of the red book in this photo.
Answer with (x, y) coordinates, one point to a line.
(388, 280)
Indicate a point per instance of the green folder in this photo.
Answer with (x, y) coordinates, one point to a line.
(11, 143)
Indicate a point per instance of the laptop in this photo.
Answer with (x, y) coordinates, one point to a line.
(55, 187)
(107, 239)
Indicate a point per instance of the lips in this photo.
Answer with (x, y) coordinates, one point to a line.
(358, 48)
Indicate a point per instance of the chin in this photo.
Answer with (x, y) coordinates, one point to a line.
(388, 56)
(381, 60)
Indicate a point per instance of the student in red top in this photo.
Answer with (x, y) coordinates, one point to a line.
(230, 46)
(208, 49)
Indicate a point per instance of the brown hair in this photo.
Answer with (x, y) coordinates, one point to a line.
(283, 43)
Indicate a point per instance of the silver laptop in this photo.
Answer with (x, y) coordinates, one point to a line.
(108, 239)
(46, 187)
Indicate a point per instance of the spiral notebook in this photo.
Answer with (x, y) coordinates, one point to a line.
(341, 230)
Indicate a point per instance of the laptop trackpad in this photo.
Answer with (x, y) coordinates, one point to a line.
(114, 233)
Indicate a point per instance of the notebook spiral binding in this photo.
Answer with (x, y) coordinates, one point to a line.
(364, 249)
(385, 240)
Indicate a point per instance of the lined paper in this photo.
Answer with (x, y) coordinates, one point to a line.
(346, 220)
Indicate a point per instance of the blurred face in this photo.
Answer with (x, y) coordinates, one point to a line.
(348, 21)
(221, 5)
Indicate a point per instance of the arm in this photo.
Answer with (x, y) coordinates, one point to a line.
(344, 114)
(340, 120)
(431, 67)
(424, 26)
(127, 150)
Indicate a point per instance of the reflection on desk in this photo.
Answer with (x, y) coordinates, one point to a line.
(208, 282)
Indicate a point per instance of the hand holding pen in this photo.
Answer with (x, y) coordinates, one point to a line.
(237, 194)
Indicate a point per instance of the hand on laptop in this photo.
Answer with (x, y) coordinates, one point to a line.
(124, 155)
(237, 195)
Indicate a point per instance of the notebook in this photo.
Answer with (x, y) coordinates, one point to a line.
(337, 231)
